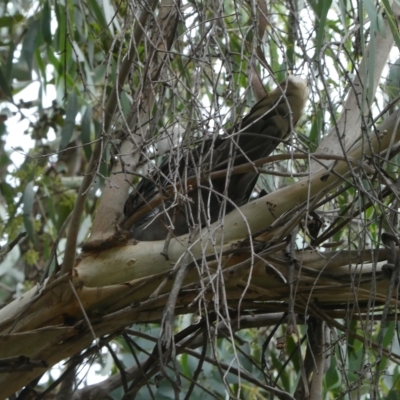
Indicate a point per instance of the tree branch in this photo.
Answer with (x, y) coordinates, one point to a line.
(348, 128)
(70, 247)
(115, 194)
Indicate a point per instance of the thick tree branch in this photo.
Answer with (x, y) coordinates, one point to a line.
(70, 247)
(356, 108)
(115, 193)
(135, 261)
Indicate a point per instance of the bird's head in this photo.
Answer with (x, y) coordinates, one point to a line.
(295, 90)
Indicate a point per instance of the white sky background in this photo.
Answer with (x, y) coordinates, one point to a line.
(16, 127)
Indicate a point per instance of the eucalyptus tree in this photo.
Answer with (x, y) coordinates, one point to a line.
(284, 285)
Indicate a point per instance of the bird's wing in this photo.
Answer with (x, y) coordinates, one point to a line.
(168, 175)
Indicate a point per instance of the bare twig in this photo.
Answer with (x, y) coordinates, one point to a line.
(4, 250)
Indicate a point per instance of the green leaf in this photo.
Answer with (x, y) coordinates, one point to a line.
(369, 72)
(29, 43)
(380, 24)
(7, 192)
(54, 60)
(332, 376)
(316, 131)
(21, 72)
(4, 84)
(322, 12)
(372, 13)
(59, 37)
(45, 22)
(69, 123)
(393, 80)
(9, 63)
(86, 129)
(343, 13)
(392, 22)
(28, 200)
(126, 102)
(315, 5)
(31, 257)
(10, 21)
(40, 63)
(109, 15)
(94, 7)
(49, 203)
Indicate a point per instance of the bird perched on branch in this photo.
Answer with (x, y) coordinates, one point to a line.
(202, 184)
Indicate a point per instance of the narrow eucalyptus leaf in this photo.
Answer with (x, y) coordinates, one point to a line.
(28, 200)
(29, 43)
(86, 129)
(372, 13)
(45, 21)
(4, 84)
(69, 123)
(321, 26)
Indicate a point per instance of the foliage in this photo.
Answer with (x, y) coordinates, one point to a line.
(59, 65)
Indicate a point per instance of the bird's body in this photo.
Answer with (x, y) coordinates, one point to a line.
(267, 123)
